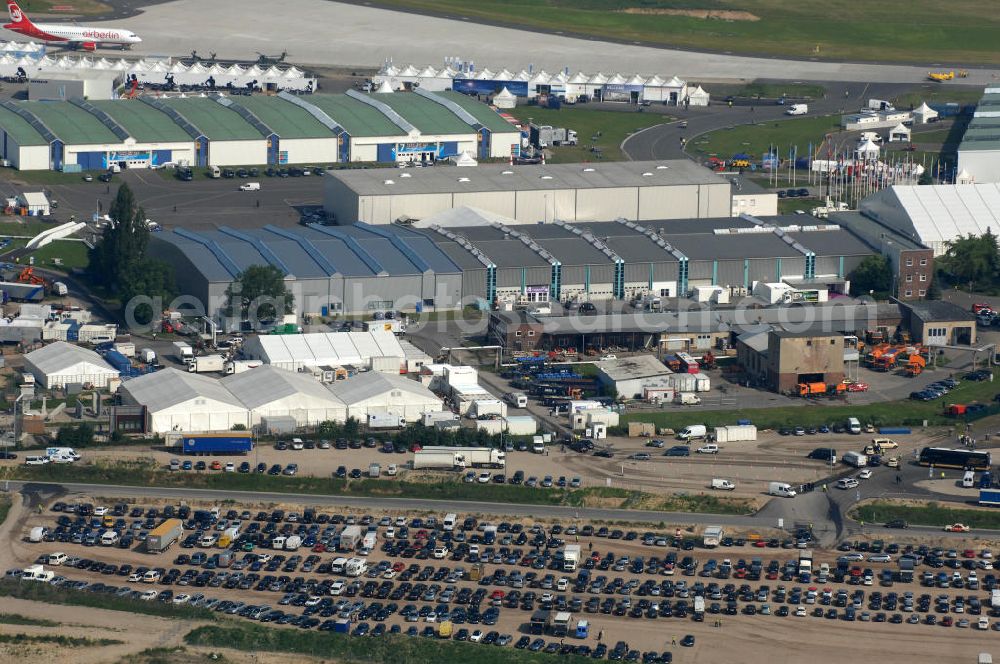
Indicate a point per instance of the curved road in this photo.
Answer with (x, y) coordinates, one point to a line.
(321, 32)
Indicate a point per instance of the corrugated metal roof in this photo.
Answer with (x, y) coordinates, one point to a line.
(72, 124)
(143, 122)
(19, 129)
(286, 119)
(427, 116)
(938, 213)
(484, 114)
(216, 121)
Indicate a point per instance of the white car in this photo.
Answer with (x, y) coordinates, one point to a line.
(149, 595)
(230, 467)
(484, 478)
(801, 612)
(847, 483)
(865, 474)
(476, 636)
(852, 557)
(181, 599)
(100, 510)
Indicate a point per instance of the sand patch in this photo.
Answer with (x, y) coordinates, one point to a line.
(703, 14)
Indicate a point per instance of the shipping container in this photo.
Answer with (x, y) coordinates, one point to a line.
(235, 442)
(161, 537)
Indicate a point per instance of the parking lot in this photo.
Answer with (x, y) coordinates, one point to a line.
(489, 579)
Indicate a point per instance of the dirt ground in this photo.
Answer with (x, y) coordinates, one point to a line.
(748, 639)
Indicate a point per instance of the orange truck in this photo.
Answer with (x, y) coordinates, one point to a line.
(915, 365)
(812, 389)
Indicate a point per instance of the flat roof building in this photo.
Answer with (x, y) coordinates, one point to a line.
(675, 189)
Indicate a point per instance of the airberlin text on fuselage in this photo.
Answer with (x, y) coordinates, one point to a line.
(101, 34)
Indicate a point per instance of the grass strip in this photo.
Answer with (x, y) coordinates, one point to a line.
(929, 514)
(43, 592)
(389, 649)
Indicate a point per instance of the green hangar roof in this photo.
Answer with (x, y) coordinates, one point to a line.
(217, 122)
(19, 129)
(357, 118)
(70, 123)
(483, 113)
(143, 122)
(285, 118)
(424, 114)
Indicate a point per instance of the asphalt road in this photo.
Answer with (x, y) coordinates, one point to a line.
(663, 141)
(366, 36)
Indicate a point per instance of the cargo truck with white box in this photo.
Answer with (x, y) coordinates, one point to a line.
(182, 351)
(163, 536)
(780, 489)
(856, 459)
(571, 557)
(712, 537)
(206, 363)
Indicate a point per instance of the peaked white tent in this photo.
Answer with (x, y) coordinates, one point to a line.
(924, 114)
(384, 88)
(899, 133)
(505, 99)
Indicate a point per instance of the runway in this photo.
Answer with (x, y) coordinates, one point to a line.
(322, 32)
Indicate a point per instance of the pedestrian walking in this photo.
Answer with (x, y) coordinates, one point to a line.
(590, 546)
(600, 636)
(673, 640)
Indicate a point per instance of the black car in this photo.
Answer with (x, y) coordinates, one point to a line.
(355, 473)
(244, 467)
(104, 177)
(980, 375)
(587, 308)
(275, 469)
(341, 472)
(897, 523)
(261, 468)
(605, 454)
(678, 451)
(7, 455)
(228, 173)
(688, 641)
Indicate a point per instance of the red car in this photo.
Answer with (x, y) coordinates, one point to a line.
(857, 387)
(968, 553)
(319, 548)
(980, 307)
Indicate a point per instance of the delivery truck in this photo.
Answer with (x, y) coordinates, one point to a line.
(735, 433)
(989, 497)
(182, 351)
(164, 535)
(723, 485)
(797, 109)
(293, 543)
(571, 557)
(206, 363)
(448, 458)
(239, 366)
(712, 537)
(349, 538)
(235, 442)
(692, 432)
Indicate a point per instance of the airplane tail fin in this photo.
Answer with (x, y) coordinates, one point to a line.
(17, 16)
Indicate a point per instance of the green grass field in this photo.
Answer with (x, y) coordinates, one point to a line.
(903, 31)
(72, 254)
(931, 514)
(756, 139)
(889, 413)
(613, 127)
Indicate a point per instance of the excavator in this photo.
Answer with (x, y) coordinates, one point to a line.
(28, 276)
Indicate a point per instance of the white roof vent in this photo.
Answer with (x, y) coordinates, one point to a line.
(463, 179)
(506, 172)
(661, 167)
(405, 175)
(647, 174)
(546, 177)
(589, 170)
(388, 182)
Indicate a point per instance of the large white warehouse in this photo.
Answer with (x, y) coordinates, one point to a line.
(269, 392)
(60, 364)
(530, 194)
(181, 401)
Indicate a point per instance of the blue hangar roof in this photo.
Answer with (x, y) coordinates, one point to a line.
(314, 252)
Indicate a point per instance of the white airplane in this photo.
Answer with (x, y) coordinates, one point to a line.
(75, 36)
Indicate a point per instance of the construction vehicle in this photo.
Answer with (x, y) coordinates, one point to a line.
(876, 353)
(28, 276)
(940, 76)
(887, 360)
(820, 390)
(707, 360)
(915, 365)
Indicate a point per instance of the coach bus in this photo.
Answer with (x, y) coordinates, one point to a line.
(942, 457)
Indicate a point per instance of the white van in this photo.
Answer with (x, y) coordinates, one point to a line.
(57, 558)
(279, 542)
(250, 186)
(854, 426)
(36, 460)
(969, 479)
(781, 489)
(692, 432)
(723, 485)
(109, 538)
(449, 521)
(214, 172)
(208, 540)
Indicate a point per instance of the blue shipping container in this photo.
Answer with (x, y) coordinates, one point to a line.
(229, 443)
(899, 431)
(989, 497)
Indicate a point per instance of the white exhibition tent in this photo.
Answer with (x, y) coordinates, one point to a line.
(373, 393)
(182, 401)
(899, 133)
(324, 349)
(269, 392)
(61, 363)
